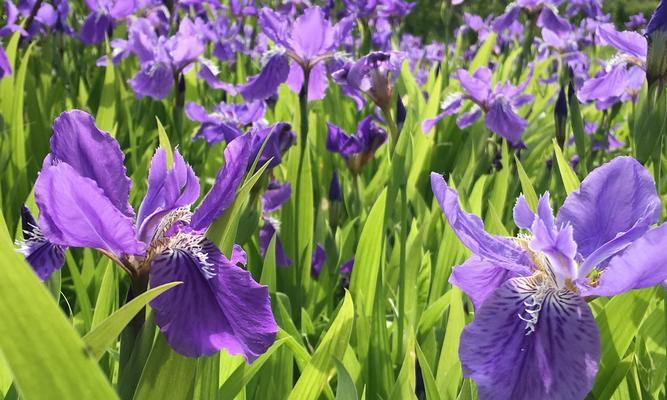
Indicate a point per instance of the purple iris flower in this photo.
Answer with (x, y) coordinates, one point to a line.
(102, 17)
(45, 18)
(308, 41)
(359, 148)
(636, 22)
(545, 10)
(82, 194)
(534, 336)
(589, 8)
(276, 139)
(372, 74)
(43, 256)
(624, 76)
(273, 199)
(162, 59)
(5, 67)
(226, 122)
(318, 260)
(499, 103)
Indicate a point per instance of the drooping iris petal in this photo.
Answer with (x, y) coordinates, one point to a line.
(504, 21)
(503, 120)
(265, 84)
(219, 305)
(275, 196)
(43, 256)
(274, 25)
(558, 360)
(154, 81)
(608, 85)
(312, 34)
(168, 189)
(317, 80)
(552, 21)
(93, 154)
(641, 265)
(223, 192)
(470, 230)
(479, 278)
(612, 199)
(469, 117)
(75, 212)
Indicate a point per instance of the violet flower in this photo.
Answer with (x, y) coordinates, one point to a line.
(498, 103)
(276, 138)
(317, 262)
(307, 42)
(373, 74)
(44, 18)
(82, 195)
(359, 148)
(545, 10)
(162, 59)
(624, 76)
(102, 17)
(272, 200)
(534, 336)
(636, 22)
(226, 122)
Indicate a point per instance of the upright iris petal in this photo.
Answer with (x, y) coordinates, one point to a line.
(218, 305)
(223, 192)
(168, 189)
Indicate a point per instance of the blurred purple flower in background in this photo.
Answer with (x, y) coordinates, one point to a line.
(274, 197)
(359, 148)
(102, 17)
(308, 41)
(5, 67)
(226, 122)
(497, 102)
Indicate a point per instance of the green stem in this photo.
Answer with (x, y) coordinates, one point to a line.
(393, 128)
(402, 284)
(303, 140)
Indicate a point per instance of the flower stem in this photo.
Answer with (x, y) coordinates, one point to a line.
(402, 284)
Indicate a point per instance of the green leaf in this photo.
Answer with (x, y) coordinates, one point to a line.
(164, 143)
(619, 323)
(577, 123)
(449, 375)
(106, 295)
(106, 111)
(429, 381)
(345, 389)
(103, 336)
(314, 377)
(484, 53)
(45, 355)
(245, 372)
(368, 256)
(570, 180)
(167, 375)
(526, 185)
(404, 388)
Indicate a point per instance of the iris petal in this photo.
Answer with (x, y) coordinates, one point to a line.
(93, 154)
(43, 256)
(470, 230)
(613, 199)
(558, 360)
(219, 305)
(75, 212)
